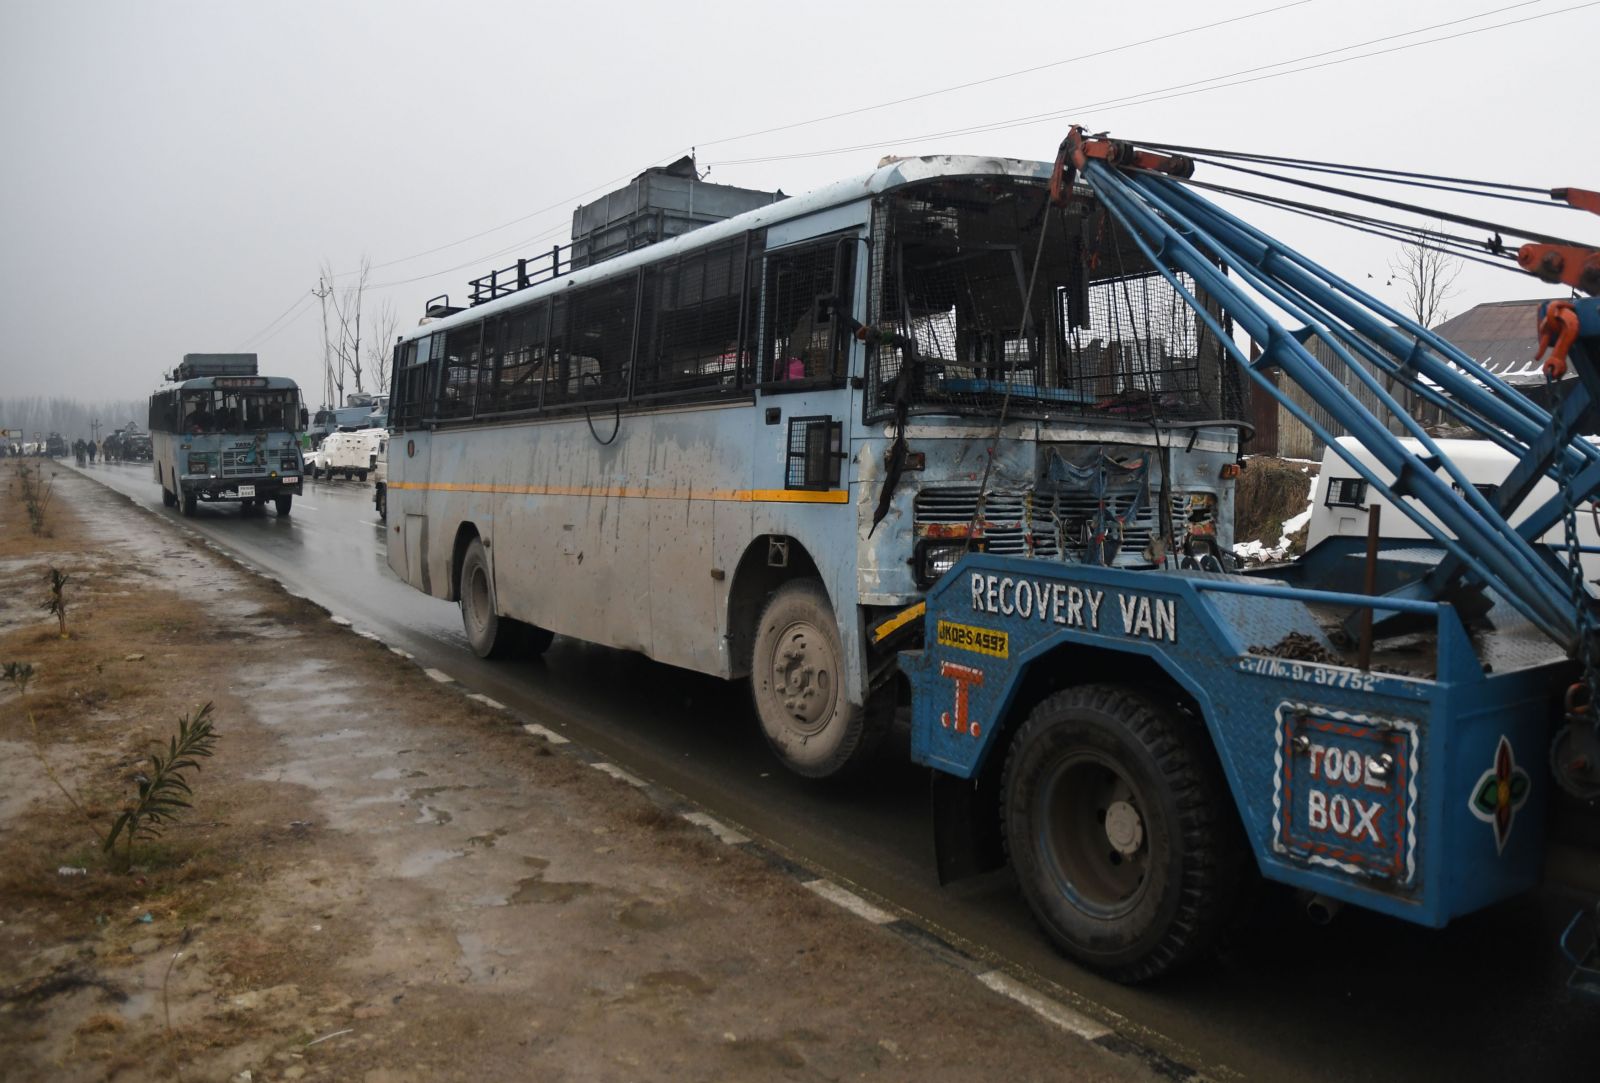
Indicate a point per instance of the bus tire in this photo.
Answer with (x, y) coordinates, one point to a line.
(190, 501)
(1117, 822)
(381, 500)
(283, 502)
(490, 635)
(167, 497)
(797, 681)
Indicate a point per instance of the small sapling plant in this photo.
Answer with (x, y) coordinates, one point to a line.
(163, 792)
(56, 603)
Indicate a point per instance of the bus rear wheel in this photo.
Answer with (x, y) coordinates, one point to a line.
(490, 635)
(797, 680)
(1116, 821)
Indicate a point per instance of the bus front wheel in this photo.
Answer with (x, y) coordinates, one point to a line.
(1116, 819)
(797, 681)
(191, 500)
(283, 502)
(167, 497)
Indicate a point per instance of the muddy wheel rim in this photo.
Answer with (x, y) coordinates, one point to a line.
(804, 675)
(1094, 835)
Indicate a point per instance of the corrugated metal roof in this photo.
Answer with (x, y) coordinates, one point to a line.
(1502, 336)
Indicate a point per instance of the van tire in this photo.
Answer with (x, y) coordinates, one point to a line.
(1118, 823)
(797, 681)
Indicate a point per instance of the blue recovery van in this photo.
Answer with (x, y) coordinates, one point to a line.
(1404, 725)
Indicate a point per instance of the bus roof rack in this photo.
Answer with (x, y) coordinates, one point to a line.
(215, 364)
(439, 307)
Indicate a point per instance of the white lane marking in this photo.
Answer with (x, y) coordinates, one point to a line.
(716, 827)
(486, 701)
(852, 902)
(619, 774)
(1052, 1011)
(548, 734)
(440, 675)
(343, 622)
(407, 655)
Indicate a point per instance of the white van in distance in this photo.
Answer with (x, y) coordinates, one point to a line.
(1341, 496)
(352, 454)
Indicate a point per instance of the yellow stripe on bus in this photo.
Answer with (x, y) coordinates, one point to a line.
(787, 496)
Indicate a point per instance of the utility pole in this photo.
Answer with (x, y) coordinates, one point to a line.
(321, 293)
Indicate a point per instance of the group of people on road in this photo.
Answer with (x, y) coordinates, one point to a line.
(82, 449)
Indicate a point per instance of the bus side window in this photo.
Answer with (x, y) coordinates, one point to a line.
(691, 333)
(802, 339)
(600, 340)
(463, 354)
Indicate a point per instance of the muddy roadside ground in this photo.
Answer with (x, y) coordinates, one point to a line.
(383, 880)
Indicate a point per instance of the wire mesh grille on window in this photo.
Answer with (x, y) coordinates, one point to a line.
(801, 338)
(813, 459)
(1104, 335)
(463, 360)
(689, 334)
(594, 355)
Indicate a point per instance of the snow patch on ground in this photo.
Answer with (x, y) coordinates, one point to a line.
(1258, 552)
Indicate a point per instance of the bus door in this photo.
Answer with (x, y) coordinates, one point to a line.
(813, 279)
(410, 460)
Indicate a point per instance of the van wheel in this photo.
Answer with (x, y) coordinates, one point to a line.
(797, 681)
(491, 635)
(1117, 822)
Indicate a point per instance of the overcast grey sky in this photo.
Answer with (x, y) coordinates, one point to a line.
(176, 172)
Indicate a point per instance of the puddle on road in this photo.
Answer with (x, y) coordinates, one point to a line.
(536, 889)
(391, 774)
(676, 981)
(479, 958)
(423, 862)
(646, 916)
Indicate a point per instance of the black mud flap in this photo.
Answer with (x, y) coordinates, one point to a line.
(966, 829)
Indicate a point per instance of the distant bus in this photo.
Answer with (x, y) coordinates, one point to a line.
(749, 450)
(220, 432)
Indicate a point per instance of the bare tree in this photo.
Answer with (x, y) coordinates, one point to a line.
(1428, 277)
(342, 347)
(380, 345)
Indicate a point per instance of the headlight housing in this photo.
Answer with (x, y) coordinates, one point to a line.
(199, 464)
(933, 559)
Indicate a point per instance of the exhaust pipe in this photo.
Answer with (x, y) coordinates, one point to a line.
(1321, 909)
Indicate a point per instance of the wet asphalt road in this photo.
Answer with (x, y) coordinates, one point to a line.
(1364, 998)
